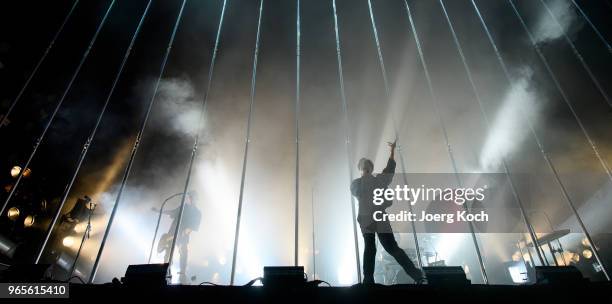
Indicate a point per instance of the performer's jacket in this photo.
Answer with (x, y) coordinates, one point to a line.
(191, 217)
(362, 188)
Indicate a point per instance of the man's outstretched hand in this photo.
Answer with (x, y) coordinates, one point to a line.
(393, 145)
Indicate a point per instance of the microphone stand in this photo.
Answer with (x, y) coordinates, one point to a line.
(161, 210)
(85, 236)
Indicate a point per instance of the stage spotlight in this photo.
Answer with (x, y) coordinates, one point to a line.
(571, 256)
(518, 272)
(28, 221)
(80, 227)
(13, 213)
(585, 242)
(68, 241)
(15, 171)
(587, 254)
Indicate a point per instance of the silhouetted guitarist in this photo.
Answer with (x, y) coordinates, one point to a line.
(190, 222)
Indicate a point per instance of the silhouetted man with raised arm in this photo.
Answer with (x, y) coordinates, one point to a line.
(362, 188)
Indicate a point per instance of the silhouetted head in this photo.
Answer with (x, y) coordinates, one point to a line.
(366, 166)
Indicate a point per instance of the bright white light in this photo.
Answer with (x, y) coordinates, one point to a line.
(15, 171)
(517, 273)
(510, 128)
(28, 221)
(68, 241)
(346, 269)
(447, 245)
(547, 29)
(80, 227)
(215, 278)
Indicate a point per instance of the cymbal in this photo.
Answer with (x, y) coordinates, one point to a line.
(549, 237)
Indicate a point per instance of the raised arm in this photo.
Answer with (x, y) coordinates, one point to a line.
(387, 175)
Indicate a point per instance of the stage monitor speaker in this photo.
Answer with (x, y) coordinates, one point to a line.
(284, 276)
(24, 273)
(558, 275)
(146, 274)
(446, 276)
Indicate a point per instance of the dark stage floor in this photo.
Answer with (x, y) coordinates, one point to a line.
(583, 293)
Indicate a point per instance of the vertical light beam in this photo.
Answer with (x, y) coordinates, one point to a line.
(247, 142)
(584, 131)
(297, 131)
(136, 145)
(89, 140)
(506, 73)
(449, 148)
(347, 135)
(394, 122)
(196, 141)
(476, 94)
(58, 106)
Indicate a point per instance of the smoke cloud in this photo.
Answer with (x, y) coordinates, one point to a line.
(509, 130)
(549, 29)
(519, 106)
(179, 105)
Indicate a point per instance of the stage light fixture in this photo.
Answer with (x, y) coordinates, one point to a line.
(15, 171)
(80, 227)
(13, 213)
(29, 221)
(27, 172)
(90, 205)
(585, 242)
(68, 241)
(587, 254)
(571, 256)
